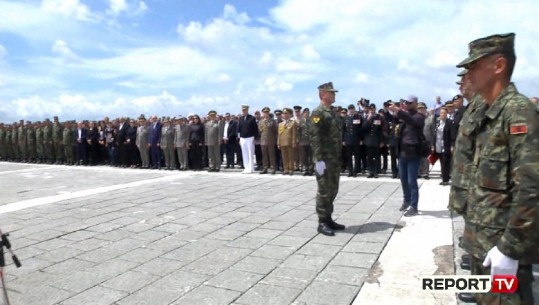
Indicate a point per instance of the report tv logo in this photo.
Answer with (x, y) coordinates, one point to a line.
(471, 283)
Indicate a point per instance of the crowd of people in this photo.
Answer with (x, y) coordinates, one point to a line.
(281, 140)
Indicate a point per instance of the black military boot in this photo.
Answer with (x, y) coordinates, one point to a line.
(335, 226)
(324, 228)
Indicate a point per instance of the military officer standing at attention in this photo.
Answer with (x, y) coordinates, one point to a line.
(247, 131)
(297, 154)
(286, 141)
(373, 134)
(351, 138)
(504, 213)
(31, 142)
(68, 143)
(167, 144)
(326, 142)
(57, 138)
(213, 138)
(21, 134)
(47, 141)
(268, 139)
(278, 119)
(306, 152)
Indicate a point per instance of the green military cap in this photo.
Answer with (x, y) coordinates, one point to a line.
(343, 110)
(421, 105)
(278, 111)
(141, 117)
(212, 112)
(327, 87)
(265, 109)
(479, 48)
(456, 97)
(243, 107)
(166, 120)
(463, 72)
(351, 106)
(448, 104)
(298, 108)
(306, 110)
(287, 110)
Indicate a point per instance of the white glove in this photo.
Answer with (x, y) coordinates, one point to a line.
(320, 167)
(500, 263)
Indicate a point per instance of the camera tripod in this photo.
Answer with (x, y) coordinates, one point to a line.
(5, 243)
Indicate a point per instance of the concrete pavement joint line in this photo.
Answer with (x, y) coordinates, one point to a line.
(21, 205)
(25, 170)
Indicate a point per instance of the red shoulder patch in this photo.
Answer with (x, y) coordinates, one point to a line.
(520, 128)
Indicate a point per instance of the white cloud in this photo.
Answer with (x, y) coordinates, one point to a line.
(442, 59)
(266, 58)
(272, 84)
(362, 78)
(67, 8)
(61, 48)
(117, 6)
(310, 53)
(230, 13)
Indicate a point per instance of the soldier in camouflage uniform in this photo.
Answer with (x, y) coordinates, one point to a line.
(306, 152)
(503, 207)
(268, 140)
(39, 142)
(3, 129)
(15, 142)
(57, 139)
(31, 142)
(7, 142)
(47, 142)
(326, 142)
(68, 143)
(21, 135)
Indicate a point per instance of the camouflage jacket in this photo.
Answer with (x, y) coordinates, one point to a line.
(505, 186)
(462, 170)
(326, 135)
(304, 127)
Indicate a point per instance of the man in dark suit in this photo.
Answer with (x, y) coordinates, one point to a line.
(81, 134)
(230, 139)
(247, 130)
(351, 137)
(121, 142)
(373, 134)
(154, 132)
(130, 144)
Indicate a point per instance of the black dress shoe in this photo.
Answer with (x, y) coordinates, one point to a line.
(370, 176)
(465, 265)
(336, 226)
(324, 228)
(404, 206)
(467, 297)
(465, 258)
(411, 212)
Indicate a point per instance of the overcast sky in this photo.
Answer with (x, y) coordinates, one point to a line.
(83, 59)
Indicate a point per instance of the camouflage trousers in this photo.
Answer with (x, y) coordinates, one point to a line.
(328, 187)
(68, 152)
(58, 150)
(523, 296)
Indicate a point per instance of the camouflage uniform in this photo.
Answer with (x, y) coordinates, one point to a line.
(306, 153)
(31, 143)
(3, 155)
(47, 142)
(57, 139)
(39, 142)
(68, 142)
(503, 186)
(15, 143)
(9, 152)
(326, 143)
(21, 135)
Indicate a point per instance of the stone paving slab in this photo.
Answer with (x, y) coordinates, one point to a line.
(158, 237)
(100, 235)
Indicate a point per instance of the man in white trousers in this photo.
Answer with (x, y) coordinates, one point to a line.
(247, 131)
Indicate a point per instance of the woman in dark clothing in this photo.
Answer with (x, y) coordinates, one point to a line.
(442, 145)
(196, 142)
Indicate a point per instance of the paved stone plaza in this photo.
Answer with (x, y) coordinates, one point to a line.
(100, 235)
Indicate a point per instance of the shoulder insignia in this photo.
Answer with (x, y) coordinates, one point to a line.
(519, 128)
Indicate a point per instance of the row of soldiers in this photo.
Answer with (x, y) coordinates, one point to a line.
(282, 142)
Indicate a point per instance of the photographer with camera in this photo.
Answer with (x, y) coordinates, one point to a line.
(408, 147)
